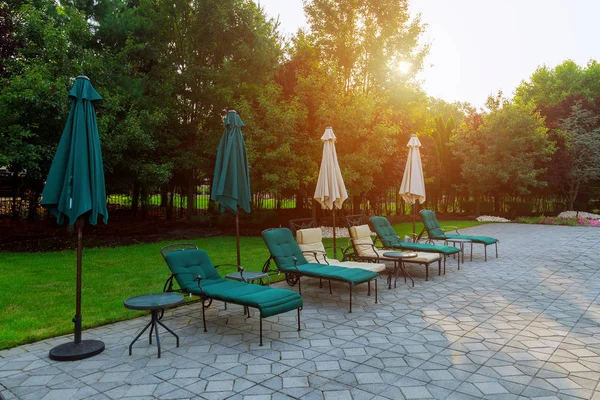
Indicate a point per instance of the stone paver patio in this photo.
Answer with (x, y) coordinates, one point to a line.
(526, 325)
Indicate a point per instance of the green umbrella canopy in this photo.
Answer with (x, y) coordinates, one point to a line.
(231, 185)
(75, 183)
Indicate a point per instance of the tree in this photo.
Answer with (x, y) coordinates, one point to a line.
(365, 41)
(49, 49)
(504, 153)
(581, 130)
(549, 86)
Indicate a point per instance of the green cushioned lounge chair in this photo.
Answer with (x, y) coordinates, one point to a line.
(290, 260)
(436, 232)
(195, 274)
(390, 240)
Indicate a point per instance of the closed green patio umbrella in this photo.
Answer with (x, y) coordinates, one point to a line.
(75, 191)
(231, 182)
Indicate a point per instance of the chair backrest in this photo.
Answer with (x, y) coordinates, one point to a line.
(386, 233)
(187, 264)
(176, 247)
(360, 236)
(355, 220)
(432, 226)
(283, 248)
(311, 239)
(302, 223)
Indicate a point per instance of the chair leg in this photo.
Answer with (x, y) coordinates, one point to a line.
(298, 319)
(330, 292)
(369, 288)
(203, 315)
(299, 285)
(471, 251)
(426, 272)
(261, 332)
(350, 296)
(440, 266)
(496, 249)
(375, 290)
(485, 251)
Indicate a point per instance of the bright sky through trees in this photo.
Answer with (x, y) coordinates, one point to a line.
(480, 47)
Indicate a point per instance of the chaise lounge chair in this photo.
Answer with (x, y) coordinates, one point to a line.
(436, 232)
(310, 240)
(195, 274)
(290, 260)
(390, 240)
(362, 248)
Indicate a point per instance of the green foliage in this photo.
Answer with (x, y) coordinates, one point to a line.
(506, 152)
(582, 137)
(548, 86)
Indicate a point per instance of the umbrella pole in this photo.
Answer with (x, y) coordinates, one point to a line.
(334, 248)
(78, 349)
(237, 235)
(414, 207)
(77, 318)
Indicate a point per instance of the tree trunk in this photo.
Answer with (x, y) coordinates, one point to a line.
(477, 205)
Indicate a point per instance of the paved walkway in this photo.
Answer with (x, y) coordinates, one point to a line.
(526, 325)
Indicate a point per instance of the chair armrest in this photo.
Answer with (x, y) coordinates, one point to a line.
(450, 229)
(369, 244)
(295, 263)
(199, 280)
(315, 254)
(227, 265)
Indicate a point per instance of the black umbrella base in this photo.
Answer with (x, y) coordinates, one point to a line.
(77, 351)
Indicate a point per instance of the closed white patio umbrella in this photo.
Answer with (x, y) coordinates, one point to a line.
(413, 183)
(330, 190)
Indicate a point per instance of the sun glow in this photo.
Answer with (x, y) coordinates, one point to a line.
(404, 67)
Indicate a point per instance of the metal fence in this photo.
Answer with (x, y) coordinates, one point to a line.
(174, 204)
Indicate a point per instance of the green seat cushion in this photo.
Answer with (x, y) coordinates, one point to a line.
(428, 248)
(475, 239)
(434, 230)
(385, 231)
(188, 264)
(350, 275)
(389, 238)
(283, 248)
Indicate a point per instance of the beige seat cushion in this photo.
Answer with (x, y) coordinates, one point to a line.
(361, 238)
(311, 239)
(364, 265)
(424, 258)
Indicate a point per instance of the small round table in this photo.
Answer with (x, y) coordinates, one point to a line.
(399, 257)
(153, 302)
(461, 245)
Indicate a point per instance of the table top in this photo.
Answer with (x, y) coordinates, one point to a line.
(400, 254)
(248, 275)
(457, 240)
(153, 301)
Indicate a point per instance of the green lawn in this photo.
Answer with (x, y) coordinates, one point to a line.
(38, 291)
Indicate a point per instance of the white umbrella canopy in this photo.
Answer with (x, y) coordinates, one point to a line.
(413, 183)
(330, 191)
